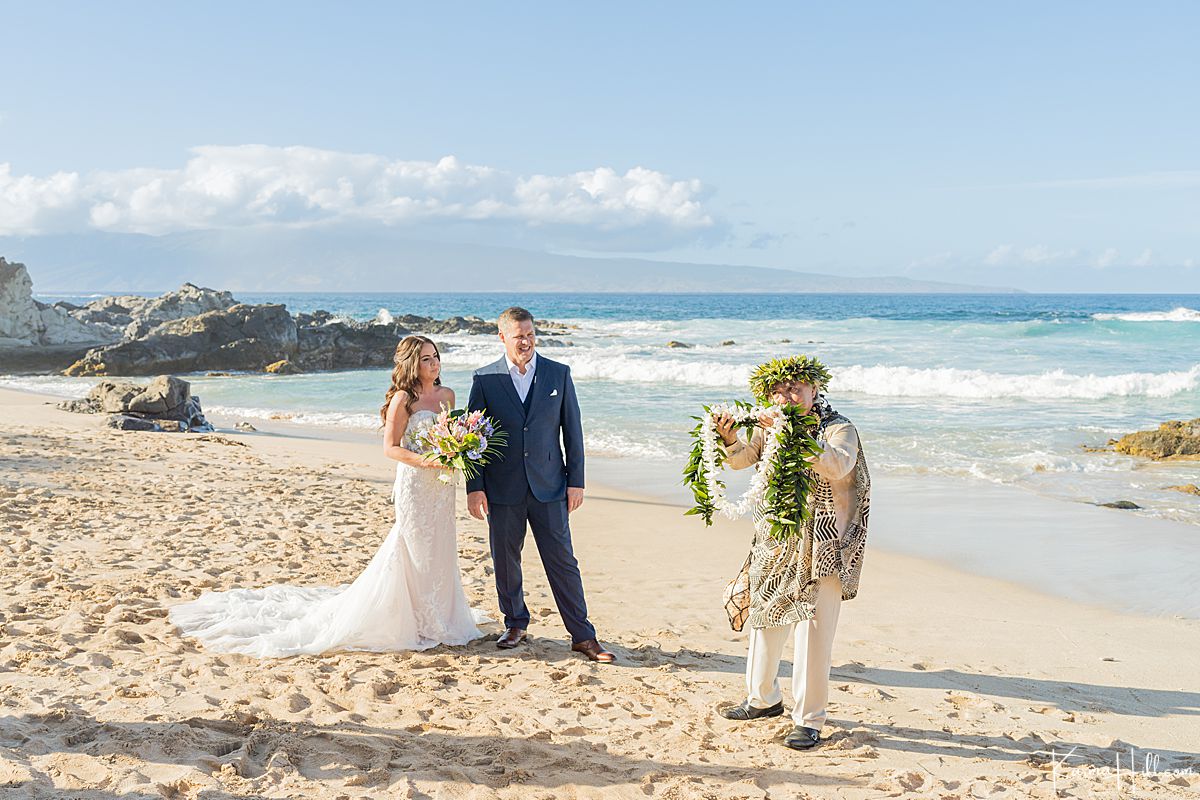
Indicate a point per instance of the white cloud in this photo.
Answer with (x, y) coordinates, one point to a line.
(999, 256)
(224, 187)
(1145, 259)
(1107, 258)
(1007, 254)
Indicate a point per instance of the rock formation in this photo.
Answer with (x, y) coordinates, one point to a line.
(26, 322)
(242, 337)
(267, 338)
(166, 404)
(1174, 439)
(199, 329)
(135, 317)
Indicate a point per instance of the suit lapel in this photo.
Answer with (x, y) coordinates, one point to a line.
(533, 401)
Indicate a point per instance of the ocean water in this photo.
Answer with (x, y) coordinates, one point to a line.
(1003, 389)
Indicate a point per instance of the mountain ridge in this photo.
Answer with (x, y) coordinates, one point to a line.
(318, 260)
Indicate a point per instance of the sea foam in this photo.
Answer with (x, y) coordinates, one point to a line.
(884, 381)
(1180, 314)
(897, 381)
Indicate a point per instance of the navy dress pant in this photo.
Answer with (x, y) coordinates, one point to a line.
(552, 534)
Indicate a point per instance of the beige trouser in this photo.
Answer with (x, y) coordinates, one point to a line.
(810, 663)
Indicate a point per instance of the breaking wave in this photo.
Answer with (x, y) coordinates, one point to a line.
(976, 384)
(1180, 314)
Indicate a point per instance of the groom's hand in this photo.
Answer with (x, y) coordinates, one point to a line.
(574, 498)
(477, 504)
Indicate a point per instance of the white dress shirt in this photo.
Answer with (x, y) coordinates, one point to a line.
(523, 383)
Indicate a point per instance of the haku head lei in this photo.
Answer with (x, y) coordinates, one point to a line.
(799, 369)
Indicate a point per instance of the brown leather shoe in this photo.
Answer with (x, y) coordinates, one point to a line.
(511, 638)
(594, 650)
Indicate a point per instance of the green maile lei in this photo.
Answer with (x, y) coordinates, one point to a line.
(784, 479)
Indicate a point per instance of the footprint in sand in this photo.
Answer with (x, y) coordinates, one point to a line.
(867, 692)
(967, 701)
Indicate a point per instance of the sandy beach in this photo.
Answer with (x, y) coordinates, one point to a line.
(946, 684)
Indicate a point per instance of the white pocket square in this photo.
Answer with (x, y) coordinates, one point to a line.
(554, 393)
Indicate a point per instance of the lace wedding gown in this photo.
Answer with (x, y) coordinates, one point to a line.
(409, 597)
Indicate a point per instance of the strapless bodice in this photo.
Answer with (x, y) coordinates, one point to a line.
(418, 422)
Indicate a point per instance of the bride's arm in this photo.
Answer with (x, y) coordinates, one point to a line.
(393, 433)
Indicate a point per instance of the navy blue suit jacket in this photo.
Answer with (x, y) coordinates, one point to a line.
(545, 448)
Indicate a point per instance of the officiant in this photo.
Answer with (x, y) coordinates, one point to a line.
(800, 582)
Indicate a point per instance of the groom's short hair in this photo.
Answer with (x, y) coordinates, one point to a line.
(514, 314)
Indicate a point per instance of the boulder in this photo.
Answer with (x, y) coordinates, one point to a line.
(1124, 505)
(162, 395)
(346, 345)
(241, 337)
(1174, 439)
(283, 367)
(678, 345)
(123, 422)
(1187, 488)
(112, 397)
(167, 401)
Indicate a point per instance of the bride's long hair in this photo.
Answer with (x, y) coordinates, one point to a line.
(406, 375)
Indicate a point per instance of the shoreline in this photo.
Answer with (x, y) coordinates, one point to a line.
(944, 683)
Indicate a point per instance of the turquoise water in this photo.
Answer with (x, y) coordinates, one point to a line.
(1001, 389)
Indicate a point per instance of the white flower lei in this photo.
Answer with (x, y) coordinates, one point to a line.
(757, 491)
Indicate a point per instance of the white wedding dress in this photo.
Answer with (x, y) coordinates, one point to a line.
(409, 597)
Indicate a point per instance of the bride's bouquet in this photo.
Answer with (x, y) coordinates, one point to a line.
(461, 440)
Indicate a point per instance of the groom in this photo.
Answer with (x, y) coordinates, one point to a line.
(533, 400)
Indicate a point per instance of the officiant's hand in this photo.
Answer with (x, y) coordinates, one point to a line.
(574, 498)
(765, 421)
(724, 423)
(477, 504)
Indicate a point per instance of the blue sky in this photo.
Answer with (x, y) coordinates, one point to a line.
(1039, 145)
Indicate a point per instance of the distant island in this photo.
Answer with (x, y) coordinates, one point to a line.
(374, 260)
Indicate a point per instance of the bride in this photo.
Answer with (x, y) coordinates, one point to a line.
(410, 595)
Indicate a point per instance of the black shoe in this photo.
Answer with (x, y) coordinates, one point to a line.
(802, 738)
(745, 711)
(511, 638)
